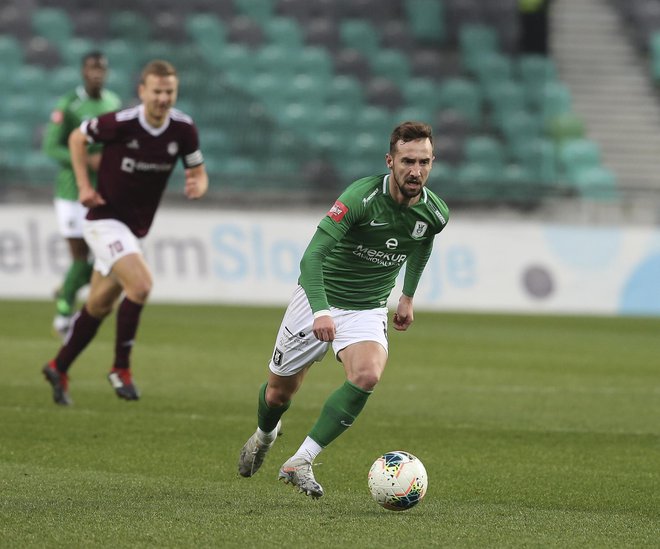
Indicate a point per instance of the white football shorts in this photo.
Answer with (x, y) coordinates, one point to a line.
(109, 240)
(70, 217)
(296, 346)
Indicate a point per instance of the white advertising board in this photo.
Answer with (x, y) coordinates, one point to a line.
(240, 257)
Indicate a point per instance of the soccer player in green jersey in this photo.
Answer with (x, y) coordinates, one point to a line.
(346, 276)
(85, 102)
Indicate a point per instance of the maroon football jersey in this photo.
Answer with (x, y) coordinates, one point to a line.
(137, 162)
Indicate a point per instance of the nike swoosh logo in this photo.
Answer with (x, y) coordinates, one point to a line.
(344, 423)
(375, 224)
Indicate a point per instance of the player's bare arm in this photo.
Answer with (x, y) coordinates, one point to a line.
(197, 182)
(403, 317)
(87, 195)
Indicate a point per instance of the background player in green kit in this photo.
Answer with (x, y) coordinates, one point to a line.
(346, 276)
(85, 102)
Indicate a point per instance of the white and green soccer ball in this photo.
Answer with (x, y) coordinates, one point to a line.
(398, 480)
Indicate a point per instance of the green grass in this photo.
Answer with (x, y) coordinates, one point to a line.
(535, 432)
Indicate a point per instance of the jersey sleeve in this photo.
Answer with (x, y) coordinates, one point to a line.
(190, 151)
(311, 269)
(55, 142)
(415, 267)
(101, 129)
(344, 213)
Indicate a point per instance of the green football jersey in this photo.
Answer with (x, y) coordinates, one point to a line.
(376, 236)
(71, 110)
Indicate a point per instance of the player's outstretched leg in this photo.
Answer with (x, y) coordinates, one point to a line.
(298, 471)
(255, 449)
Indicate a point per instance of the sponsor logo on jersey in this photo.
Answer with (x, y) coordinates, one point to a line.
(133, 144)
(129, 165)
(419, 229)
(386, 259)
(366, 200)
(391, 243)
(437, 213)
(337, 212)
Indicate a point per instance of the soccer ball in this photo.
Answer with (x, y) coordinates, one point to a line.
(398, 480)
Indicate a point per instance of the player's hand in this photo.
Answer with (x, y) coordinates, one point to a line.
(324, 328)
(403, 317)
(195, 185)
(89, 198)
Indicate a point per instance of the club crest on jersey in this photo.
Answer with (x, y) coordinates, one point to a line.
(419, 229)
(173, 148)
(337, 212)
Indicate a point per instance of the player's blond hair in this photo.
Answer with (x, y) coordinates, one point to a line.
(157, 67)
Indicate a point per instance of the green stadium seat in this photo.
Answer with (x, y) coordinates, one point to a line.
(121, 55)
(360, 35)
(426, 20)
(539, 158)
(268, 89)
(260, 11)
(275, 59)
(63, 80)
(597, 182)
(475, 40)
(305, 89)
(518, 125)
(463, 96)
(54, 25)
(390, 63)
(314, 61)
(654, 55)
(345, 90)
(207, 31)
(578, 154)
(470, 172)
(284, 31)
(337, 119)
(373, 119)
(535, 69)
(556, 100)
(29, 78)
(421, 92)
(486, 151)
(419, 112)
(491, 70)
(74, 51)
(15, 138)
(11, 52)
(130, 26)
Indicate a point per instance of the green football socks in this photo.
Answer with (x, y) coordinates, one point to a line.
(267, 416)
(76, 277)
(339, 413)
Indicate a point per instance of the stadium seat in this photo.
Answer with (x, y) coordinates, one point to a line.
(426, 19)
(597, 182)
(384, 93)
(473, 173)
(245, 31)
(323, 33)
(53, 24)
(129, 26)
(486, 151)
(275, 59)
(261, 11)
(419, 112)
(353, 63)
(539, 157)
(565, 126)
(421, 92)
(314, 61)
(576, 155)
(11, 52)
(345, 90)
(391, 63)
(360, 35)
(475, 40)
(283, 31)
(462, 95)
(518, 125)
(372, 118)
(555, 100)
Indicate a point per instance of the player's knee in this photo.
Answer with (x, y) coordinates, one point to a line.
(366, 379)
(139, 291)
(276, 397)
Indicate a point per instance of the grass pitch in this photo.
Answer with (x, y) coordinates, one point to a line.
(535, 432)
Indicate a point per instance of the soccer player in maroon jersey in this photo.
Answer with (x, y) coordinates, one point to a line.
(140, 148)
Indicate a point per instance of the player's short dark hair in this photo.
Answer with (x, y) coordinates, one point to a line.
(96, 55)
(157, 67)
(410, 131)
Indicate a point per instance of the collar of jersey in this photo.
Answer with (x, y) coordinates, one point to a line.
(148, 127)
